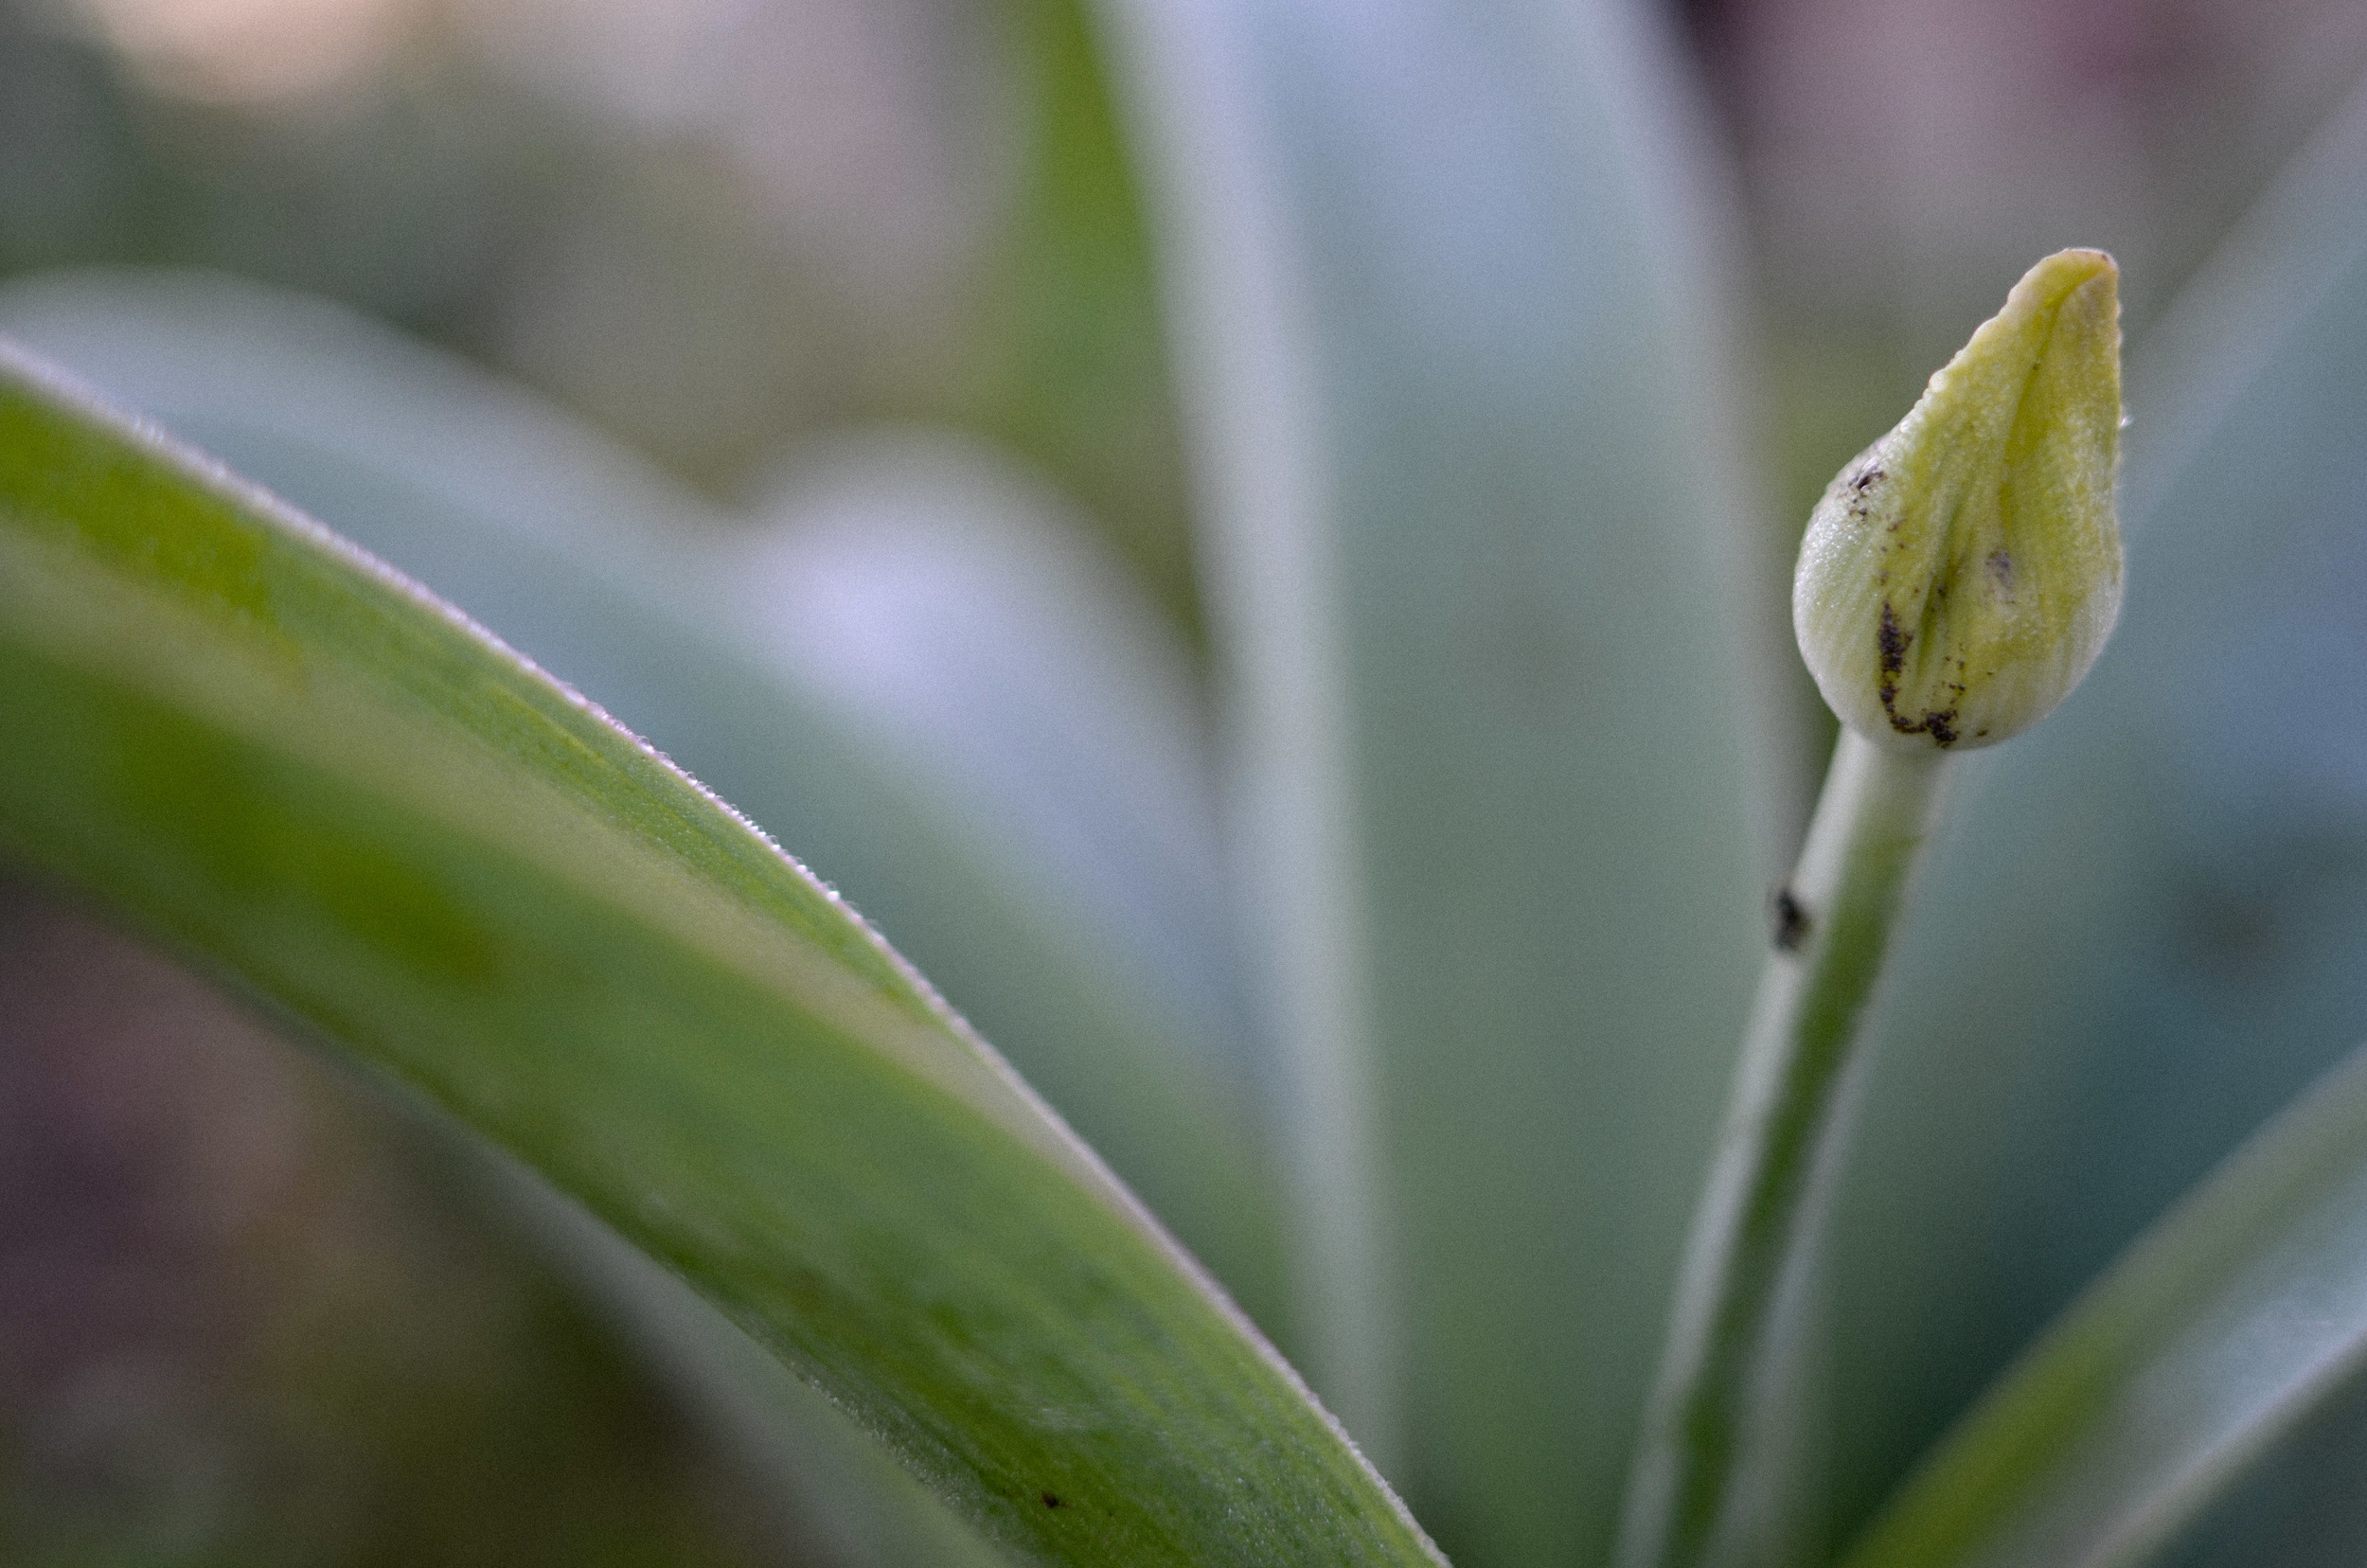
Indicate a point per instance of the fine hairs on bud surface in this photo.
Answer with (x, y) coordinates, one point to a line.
(1959, 577)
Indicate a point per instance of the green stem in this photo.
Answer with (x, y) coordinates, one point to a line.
(1835, 922)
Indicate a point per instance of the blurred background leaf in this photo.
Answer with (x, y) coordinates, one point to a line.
(1452, 311)
(2231, 1324)
(711, 225)
(251, 1316)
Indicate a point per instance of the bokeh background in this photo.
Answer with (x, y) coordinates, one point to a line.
(253, 1311)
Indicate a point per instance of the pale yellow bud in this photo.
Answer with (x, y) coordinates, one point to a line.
(1961, 576)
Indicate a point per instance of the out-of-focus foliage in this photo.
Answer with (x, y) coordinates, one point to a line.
(1508, 908)
(1899, 161)
(714, 226)
(251, 1318)
(2235, 1321)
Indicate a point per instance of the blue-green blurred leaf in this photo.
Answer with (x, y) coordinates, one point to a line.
(2224, 1328)
(2298, 1505)
(1450, 310)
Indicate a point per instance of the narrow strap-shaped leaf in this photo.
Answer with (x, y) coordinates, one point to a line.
(2225, 1325)
(702, 637)
(1449, 325)
(287, 760)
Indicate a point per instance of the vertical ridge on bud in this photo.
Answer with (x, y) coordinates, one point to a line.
(1962, 575)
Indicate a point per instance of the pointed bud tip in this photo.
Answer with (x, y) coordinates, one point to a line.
(1961, 576)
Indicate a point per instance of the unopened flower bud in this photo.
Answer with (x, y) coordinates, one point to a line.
(1961, 576)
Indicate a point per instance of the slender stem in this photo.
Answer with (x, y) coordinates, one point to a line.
(1834, 926)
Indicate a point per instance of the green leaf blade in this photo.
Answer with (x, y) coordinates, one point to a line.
(619, 583)
(2225, 1326)
(306, 771)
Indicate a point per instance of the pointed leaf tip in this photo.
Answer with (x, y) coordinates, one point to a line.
(1961, 576)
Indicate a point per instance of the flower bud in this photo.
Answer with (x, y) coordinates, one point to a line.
(1961, 576)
